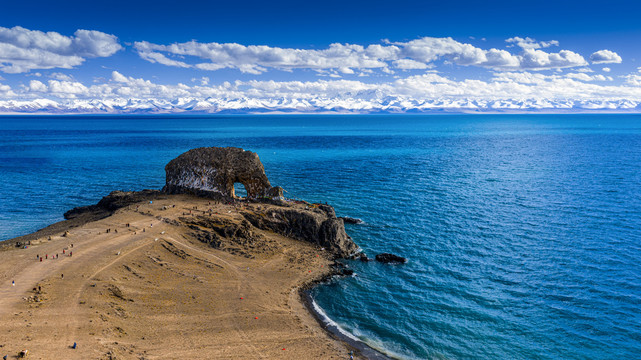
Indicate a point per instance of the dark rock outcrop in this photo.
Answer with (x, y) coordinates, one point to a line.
(235, 237)
(318, 225)
(390, 259)
(350, 220)
(212, 172)
(362, 257)
(112, 202)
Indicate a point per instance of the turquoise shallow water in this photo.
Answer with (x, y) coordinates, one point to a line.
(522, 231)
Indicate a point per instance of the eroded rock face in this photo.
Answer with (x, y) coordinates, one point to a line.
(318, 226)
(213, 171)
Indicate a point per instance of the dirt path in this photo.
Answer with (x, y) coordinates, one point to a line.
(239, 278)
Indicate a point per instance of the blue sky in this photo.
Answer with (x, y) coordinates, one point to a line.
(317, 56)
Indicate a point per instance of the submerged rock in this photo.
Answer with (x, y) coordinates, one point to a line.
(363, 257)
(390, 258)
(212, 172)
(360, 256)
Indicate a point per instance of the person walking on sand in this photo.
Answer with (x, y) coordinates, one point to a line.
(13, 283)
(62, 276)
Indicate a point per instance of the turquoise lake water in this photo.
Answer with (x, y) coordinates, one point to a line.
(523, 232)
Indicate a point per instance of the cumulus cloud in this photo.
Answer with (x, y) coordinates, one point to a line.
(606, 69)
(605, 57)
(6, 90)
(61, 76)
(22, 50)
(37, 86)
(586, 77)
(539, 60)
(407, 64)
(338, 58)
(528, 43)
(256, 59)
(70, 89)
(633, 79)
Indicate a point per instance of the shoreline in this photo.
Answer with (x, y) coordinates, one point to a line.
(360, 347)
(291, 257)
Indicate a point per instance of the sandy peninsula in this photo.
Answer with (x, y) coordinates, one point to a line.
(139, 284)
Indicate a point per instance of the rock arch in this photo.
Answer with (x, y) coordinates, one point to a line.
(212, 171)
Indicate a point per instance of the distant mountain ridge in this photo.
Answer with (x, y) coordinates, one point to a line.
(362, 103)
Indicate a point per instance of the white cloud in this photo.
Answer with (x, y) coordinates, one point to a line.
(37, 86)
(408, 64)
(538, 60)
(586, 77)
(22, 50)
(606, 69)
(605, 57)
(633, 79)
(6, 90)
(528, 43)
(118, 77)
(256, 59)
(346, 58)
(61, 76)
(91, 44)
(68, 88)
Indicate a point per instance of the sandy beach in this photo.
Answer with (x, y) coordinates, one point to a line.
(138, 285)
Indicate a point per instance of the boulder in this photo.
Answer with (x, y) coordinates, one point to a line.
(212, 172)
(363, 257)
(390, 259)
(350, 220)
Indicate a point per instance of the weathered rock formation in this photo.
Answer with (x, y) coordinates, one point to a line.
(236, 237)
(212, 172)
(317, 225)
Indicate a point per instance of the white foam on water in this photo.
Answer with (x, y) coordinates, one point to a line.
(331, 322)
(373, 343)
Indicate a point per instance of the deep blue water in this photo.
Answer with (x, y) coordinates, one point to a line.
(523, 232)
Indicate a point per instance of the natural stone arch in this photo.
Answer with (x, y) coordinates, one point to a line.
(213, 171)
(239, 187)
